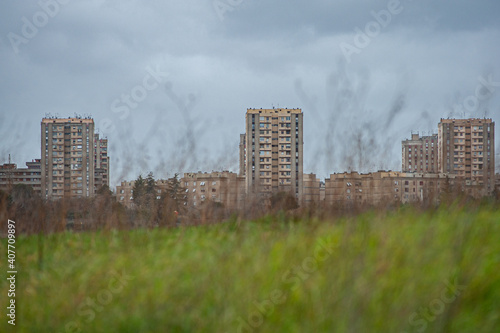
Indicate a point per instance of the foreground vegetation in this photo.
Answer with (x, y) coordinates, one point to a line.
(403, 270)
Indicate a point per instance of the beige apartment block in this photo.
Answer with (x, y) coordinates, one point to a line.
(67, 158)
(101, 162)
(467, 149)
(273, 152)
(74, 161)
(242, 150)
(125, 193)
(385, 187)
(222, 187)
(322, 191)
(420, 154)
(312, 190)
(11, 175)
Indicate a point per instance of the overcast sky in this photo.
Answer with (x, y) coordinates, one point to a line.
(169, 82)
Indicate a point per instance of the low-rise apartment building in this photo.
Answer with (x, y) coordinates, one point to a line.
(10, 175)
(384, 187)
(224, 187)
(312, 190)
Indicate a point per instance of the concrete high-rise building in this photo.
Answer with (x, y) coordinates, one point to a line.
(273, 151)
(467, 149)
(67, 161)
(101, 162)
(420, 154)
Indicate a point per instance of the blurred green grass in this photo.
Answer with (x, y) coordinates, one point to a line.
(375, 272)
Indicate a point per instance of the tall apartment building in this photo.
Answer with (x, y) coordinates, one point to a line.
(101, 162)
(497, 183)
(11, 175)
(273, 151)
(467, 149)
(420, 154)
(69, 158)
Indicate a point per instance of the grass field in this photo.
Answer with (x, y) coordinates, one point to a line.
(398, 271)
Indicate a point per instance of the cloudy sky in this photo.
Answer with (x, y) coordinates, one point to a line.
(169, 82)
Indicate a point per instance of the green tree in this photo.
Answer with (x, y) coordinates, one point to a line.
(139, 191)
(104, 190)
(150, 188)
(145, 199)
(283, 201)
(177, 192)
(22, 195)
(25, 207)
(171, 206)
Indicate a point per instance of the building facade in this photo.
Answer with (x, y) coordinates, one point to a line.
(420, 154)
(125, 193)
(467, 150)
(242, 150)
(385, 187)
(11, 175)
(74, 161)
(101, 162)
(312, 190)
(497, 183)
(273, 152)
(224, 187)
